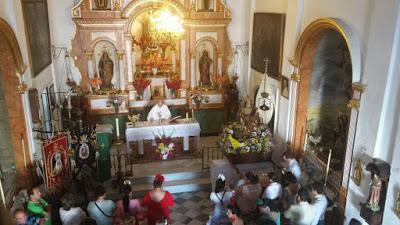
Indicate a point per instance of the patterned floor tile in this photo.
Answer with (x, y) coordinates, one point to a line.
(191, 208)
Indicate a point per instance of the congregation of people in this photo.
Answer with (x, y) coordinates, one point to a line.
(272, 200)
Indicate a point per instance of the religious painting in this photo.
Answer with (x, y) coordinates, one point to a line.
(84, 145)
(268, 36)
(285, 87)
(330, 90)
(38, 34)
(55, 152)
(157, 92)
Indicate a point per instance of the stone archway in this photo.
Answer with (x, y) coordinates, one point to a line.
(11, 64)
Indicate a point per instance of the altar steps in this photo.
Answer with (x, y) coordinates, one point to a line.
(174, 183)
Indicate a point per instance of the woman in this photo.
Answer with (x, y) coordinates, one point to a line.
(158, 202)
(101, 210)
(220, 199)
(37, 206)
(70, 215)
(127, 208)
(248, 194)
(274, 189)
(290, 191)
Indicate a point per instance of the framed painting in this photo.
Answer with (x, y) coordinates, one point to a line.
(157, 92)
(268, 36)
(37, 33)
(285, 87)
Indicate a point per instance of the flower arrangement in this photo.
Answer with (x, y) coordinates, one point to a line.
(174, 86)
(115, 101)
(238, 139)
(95, 82)
(140, 85)
(165, 147)
(221, 80)
(197, 98)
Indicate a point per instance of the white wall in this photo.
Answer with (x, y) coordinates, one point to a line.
(375, 25)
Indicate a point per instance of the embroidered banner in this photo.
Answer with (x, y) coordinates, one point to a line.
(55, 153)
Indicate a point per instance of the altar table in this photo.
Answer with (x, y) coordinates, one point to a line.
(145, 130)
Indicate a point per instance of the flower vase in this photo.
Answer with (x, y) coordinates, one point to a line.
(154, 70)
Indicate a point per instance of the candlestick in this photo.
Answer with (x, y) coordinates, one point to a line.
(192, 113)
(187, 115)
(328, 165)
(117, 126)
(3, 198)
(305, 142)
(23, 149)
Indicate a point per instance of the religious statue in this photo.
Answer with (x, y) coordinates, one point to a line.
(247, 105)
(375, 193)
(204, 66)
(101, 4)
(106, 69)
(233, 100)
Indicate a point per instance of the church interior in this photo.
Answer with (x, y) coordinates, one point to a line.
(199, 112)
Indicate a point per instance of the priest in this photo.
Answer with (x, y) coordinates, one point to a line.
(159, 112)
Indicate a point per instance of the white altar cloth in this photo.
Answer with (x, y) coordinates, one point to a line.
(145, 130)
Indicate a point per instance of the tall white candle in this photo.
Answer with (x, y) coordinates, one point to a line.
(305, 142)
(3, 198)
(328, 165)
(23, 149)
(117, 126)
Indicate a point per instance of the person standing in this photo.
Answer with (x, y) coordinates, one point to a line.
(37, 206)
(302, 213)
(159, 112)
(220, 199)
(101, 210)
(128, 208)
(158, 202)
(320, 203)
(70, 215)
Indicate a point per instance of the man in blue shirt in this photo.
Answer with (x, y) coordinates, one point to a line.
(21, 218)
(320, 203)
(292, 165)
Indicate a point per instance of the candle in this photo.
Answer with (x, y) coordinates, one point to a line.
(187, 115)
(305, 142)
(2, 193)
(23, 149)
(328, 165)
(117, 126)
(192, 113)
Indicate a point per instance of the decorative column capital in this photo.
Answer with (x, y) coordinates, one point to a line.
(353, 104)
(220, 54)
(357, 86)
(295, 77)
(89, 55)
(120, 55)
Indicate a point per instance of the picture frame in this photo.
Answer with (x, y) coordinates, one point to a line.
(285, 87)
(36, 19)
(268, 37)
(182, 93)
(157, 92)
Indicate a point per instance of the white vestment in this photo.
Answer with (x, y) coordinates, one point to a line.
(159, 113)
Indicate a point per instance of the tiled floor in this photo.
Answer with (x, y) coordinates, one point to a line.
(192, 208)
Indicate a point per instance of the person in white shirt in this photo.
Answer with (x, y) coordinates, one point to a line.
(159, 112)
(292, 165)
(320, 203)
(274, 189)
(70, 215)
(302, 213)
(220, 200)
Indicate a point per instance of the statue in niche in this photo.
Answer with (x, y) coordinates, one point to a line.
(375, 193)
(106, 69)
(204, 67)
(101, 4)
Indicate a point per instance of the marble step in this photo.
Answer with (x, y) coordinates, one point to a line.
(172, 177)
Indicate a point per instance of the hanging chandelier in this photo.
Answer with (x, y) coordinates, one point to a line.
(264, 94)
(165, 26)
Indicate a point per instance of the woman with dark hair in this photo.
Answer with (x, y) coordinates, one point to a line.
(102, 209)
(127, 208)
(290, 191)
(70, 215)
(220, 200)
(248, 194)
(158, 202)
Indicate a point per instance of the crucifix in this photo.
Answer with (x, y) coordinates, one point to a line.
(264, 94)
(102, 145)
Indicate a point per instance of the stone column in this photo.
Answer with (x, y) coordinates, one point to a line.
(220, 63)
(173, 60)
(128, 52)
(121, 70)
(183, 59)
(90, 64)
(193, 82)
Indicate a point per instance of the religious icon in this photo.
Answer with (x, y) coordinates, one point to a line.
(357, 172)
(285, 87)
(204, 66)
(375, 193)
(56, 164)
(157, 92)
(106, 70)
(84, 151)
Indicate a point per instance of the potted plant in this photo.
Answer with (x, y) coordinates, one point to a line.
(165, 146)
(140, 85)
(174, 86)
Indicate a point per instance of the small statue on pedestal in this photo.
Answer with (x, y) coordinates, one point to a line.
(375, 193)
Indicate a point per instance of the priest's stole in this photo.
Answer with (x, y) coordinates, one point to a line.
(103, 161)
